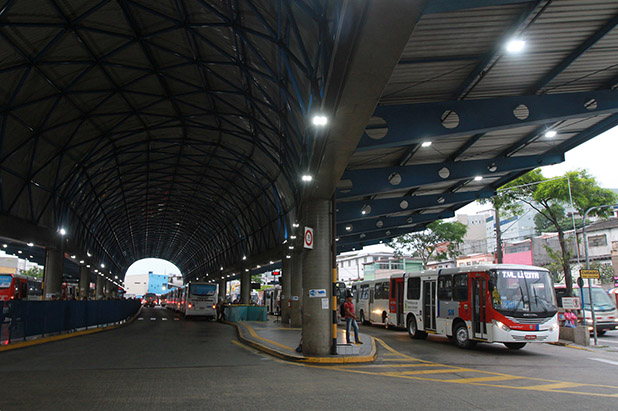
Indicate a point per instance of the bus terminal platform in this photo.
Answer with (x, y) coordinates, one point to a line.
(281, 341)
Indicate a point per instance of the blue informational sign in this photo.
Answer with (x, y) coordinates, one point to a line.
(317, 293)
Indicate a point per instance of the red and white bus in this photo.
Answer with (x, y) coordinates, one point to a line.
(19, 287)
(510, 304)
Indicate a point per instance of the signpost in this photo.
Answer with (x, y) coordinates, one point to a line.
(308, 238)
(571, 303)
(590, 274)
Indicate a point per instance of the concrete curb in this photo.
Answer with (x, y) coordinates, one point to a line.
(45, 340)
(306, 360)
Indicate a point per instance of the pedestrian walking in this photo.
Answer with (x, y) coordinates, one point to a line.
(220, 310)
(350, 320)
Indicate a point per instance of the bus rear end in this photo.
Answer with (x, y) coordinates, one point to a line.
(201, 300)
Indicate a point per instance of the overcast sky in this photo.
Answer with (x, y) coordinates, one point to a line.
(597, 156)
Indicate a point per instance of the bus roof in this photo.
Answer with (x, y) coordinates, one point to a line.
(472, 268)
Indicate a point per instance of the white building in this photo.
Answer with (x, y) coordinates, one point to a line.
(601, 235)
(137, 284)
(513, 229)
(350, 265)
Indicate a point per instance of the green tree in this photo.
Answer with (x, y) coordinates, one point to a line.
(33, 272)
(440, 240)
(543, 225)
(605, 270)
(545, 195)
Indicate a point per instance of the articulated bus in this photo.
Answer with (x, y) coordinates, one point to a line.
(371, 299)
(509, 304)
(19, 287)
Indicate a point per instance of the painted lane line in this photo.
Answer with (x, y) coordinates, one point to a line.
(164, 319)
(605, 361)
(140, 319)
(153, 319)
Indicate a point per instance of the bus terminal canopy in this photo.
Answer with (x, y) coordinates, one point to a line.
(183, 129)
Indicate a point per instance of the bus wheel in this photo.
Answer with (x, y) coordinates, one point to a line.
(461, 336)
(362, 318)
(413, 330)
(515, 346)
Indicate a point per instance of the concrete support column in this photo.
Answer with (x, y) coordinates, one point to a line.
(317, 275)
(245, 286)
(296, 266)
(222, 288)
(99, 288)
(84, 282)
(52, 274)
(286, 285)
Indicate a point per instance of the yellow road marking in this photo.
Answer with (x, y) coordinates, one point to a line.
(243, 346)
(390, 365)
(549, 387)
(484, 379)
(254, 335)
(424, 375)
(423, 372)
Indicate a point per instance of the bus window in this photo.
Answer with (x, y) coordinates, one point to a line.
(364, 292)
(203, 289)
(414, 288)
(445, 288)
(460, 287)
(381, 292)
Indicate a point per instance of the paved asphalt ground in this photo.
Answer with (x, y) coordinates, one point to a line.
(163, 362)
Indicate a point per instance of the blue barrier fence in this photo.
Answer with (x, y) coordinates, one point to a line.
(21, 320)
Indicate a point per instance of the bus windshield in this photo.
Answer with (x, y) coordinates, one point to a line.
(5, 280)
(599, 296)
(203, 289)
(523, 291)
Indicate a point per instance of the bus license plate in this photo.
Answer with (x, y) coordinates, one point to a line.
(530, 337)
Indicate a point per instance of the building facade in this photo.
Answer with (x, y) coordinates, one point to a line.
(140, 284)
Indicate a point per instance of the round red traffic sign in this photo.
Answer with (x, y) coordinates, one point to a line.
(308, 238)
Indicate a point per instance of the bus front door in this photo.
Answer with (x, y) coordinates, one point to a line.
(429, 305)
(479, 316)
(395, 302)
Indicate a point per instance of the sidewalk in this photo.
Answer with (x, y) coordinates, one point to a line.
(281, 340)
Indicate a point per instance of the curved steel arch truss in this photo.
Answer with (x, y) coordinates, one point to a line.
(172, 129)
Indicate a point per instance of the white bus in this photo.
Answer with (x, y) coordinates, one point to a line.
(510, 304)
(371, 300)
(199, 299)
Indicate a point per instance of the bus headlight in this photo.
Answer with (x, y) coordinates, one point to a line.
(553, 327)
(501, 325)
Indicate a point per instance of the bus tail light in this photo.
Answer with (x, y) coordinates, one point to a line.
(189, 305)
